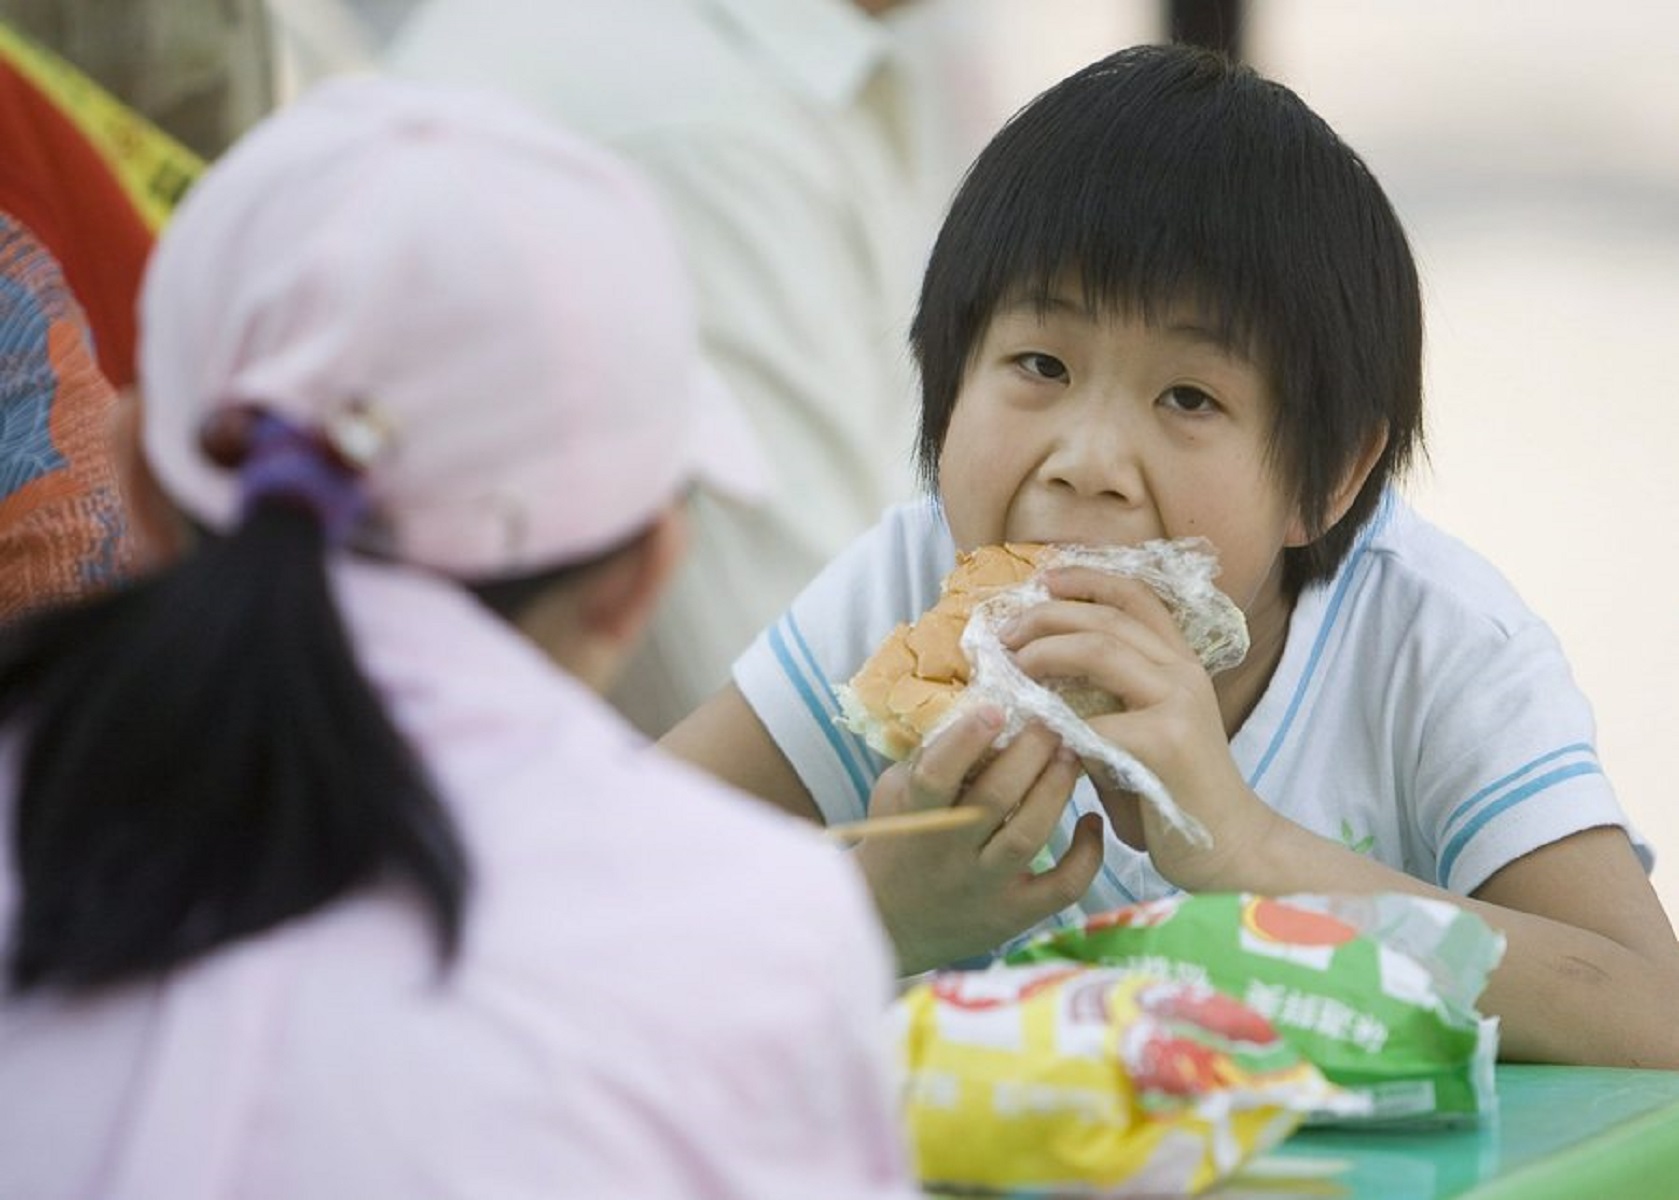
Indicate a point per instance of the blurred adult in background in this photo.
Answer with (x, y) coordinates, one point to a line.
(790, 142)
(199, 69)
(316, 39)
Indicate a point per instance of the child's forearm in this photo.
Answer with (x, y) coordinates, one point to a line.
(1563, 993)
(1569, 995)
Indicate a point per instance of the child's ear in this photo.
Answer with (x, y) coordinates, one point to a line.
(1342, 499)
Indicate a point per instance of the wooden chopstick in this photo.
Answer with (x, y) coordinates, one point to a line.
(920, 822)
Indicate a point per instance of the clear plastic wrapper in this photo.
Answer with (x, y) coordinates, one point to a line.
(917, 684)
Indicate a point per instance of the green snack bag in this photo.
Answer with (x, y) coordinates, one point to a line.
(1378, 991)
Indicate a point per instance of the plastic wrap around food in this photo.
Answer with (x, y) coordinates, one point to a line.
(918, 683)
(1061, 1080)
(1379, 991)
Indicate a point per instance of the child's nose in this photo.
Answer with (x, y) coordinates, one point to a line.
(1096, 455)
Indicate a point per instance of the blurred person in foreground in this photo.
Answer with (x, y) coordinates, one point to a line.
(790, 140)
(321, 879)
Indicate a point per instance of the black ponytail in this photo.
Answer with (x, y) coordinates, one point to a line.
(204, 760)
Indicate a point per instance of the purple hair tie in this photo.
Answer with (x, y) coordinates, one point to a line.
(284, 462)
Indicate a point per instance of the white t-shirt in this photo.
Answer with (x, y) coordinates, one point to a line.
(1421, 713)
(664, 989)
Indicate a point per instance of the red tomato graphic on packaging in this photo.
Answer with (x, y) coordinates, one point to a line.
(1275, 921)
(1213, 1011)
(1177, 1066)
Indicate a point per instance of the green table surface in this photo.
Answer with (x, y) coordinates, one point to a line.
(1561, 1133)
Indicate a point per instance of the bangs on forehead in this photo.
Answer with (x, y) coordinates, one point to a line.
(1162, 302)
(1118, 231)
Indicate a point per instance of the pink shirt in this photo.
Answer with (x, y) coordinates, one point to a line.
(665, 989)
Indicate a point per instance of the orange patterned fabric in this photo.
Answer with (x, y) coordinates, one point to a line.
(63, 530)
(93, 180)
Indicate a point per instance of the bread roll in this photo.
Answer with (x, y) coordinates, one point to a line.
(911, 682)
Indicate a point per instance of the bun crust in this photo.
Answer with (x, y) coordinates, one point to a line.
(911, 681)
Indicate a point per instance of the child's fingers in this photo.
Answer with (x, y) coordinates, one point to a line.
(1117, 668)
(1002, 785)
(939, 767)
(1047, 893)
(1131, 598)
(1056, 617)
(1016, 842)
(1123, 592)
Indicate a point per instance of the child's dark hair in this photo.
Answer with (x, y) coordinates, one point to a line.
(203, 759)
(1166, 174)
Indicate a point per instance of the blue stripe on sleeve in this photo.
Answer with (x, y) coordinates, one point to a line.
(858, 749)
(819, 704)
(1467, 809)
(1460, 840)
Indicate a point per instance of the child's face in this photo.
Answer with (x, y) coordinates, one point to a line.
(1081, 427)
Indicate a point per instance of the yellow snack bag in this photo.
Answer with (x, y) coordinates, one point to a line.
(1079, 1081)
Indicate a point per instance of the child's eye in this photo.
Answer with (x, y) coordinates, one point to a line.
(1045, 366)
(1190, 400)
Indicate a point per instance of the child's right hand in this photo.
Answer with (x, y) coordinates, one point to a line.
(946, 896)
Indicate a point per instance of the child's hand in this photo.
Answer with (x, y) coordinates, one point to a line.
(1116, 634)
(944, 896)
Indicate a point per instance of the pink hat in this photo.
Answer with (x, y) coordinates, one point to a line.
(503, 299)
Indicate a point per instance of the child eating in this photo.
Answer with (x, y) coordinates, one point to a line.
(1168, 301)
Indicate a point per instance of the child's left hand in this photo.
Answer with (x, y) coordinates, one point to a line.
(1116, 634)
(1585, 932)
